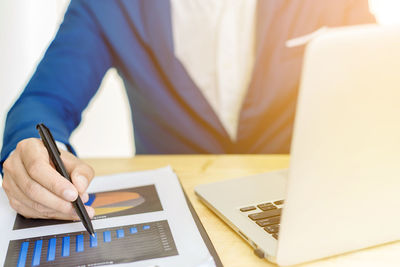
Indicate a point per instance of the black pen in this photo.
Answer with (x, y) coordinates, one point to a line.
(54, 154)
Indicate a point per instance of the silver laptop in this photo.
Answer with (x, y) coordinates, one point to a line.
(342, 189)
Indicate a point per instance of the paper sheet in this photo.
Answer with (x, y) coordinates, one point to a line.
(142, 219)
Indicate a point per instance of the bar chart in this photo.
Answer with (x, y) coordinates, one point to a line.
(109, 246)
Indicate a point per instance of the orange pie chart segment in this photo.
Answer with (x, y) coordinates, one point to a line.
(111, 202)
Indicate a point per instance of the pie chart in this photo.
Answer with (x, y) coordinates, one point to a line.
(111, 202)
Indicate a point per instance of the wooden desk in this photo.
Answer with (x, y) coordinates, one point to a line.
(197, 169)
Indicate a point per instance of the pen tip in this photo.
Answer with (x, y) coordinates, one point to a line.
(93, 235)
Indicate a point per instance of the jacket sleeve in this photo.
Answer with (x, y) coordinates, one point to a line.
(64, 82)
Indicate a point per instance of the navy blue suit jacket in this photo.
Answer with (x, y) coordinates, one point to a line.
(169, 112)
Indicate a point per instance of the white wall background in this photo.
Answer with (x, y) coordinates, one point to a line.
(26, 29)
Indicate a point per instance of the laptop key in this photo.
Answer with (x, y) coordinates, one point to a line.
(269, 221)
(265, 207)
(265, 214)
(249, 208)
(272, 229)
(267, 204)
(279, 202)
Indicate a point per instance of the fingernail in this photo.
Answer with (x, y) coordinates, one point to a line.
(91, 212)
(82, 181)
(70, 195)
(85, 197)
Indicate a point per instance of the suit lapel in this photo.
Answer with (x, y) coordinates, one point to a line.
(265, 15)
(157, 24)
(265, 100)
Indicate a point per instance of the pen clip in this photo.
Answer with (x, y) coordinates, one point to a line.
(44, 130)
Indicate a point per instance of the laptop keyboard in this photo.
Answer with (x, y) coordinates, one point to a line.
(266, 215)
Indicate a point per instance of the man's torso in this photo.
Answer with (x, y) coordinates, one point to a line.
(172, 114)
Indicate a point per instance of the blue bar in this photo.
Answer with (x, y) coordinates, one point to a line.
(22, 254)
(79, 243)
(51, 250)
(93, 240)
(65, 246)
(133, 230)
(107, 236)
(146, 227)
(36, 252)
(120, 233)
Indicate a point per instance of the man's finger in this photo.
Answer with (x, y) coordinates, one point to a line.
(37, 192)
(39, 208)
(84, 197)
(31, 213)
(81, 173)
(39, 169)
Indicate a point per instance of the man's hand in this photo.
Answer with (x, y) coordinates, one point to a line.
(36, 190)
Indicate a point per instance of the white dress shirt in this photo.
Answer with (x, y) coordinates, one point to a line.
(215, 42)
